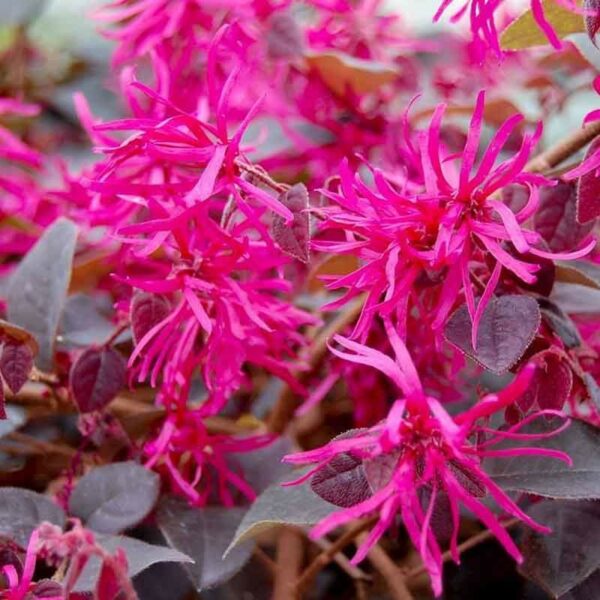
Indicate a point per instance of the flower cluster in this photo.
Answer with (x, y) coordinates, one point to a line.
(419, 455)
(440, 228)
(268, 220)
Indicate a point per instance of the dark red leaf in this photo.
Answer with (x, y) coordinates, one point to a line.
(588, 185)
(379, 470)
(294, 238)
(551, 384)
(2, 403)
(592, 18)
(16, 363)
(146, 311)
(284, 36)
(342, 481)
(556, 219)
(96, 378)
(507, 327)
(545, 275)
(515, 196)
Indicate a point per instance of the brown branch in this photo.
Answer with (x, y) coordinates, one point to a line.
(262, 176)
(564, 149)
(286, 403)
(388, 569)
(323, 559)
(290, 555)
(466, 545)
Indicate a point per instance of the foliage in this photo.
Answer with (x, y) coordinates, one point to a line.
(277, 234)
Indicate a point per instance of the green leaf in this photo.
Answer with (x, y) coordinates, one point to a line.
(279, 505)
(524, 32)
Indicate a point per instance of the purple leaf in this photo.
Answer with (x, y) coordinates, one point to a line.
(284, 36)
(556, 219)
(203, 534)
(592, 18)
(96, 377)
(21, 511)
(546, 476)
(252, 464)
(560, 323)
(507, 327)
(115, 497)
(294, 238)
(38, 288)
(86, 322)
(565, 558)
(281, 505)
(146, 311)
(342, 481)
(140, 556)
(588, 185)
(379, 470)
(16, 363)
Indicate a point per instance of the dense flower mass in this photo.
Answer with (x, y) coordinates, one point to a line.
(439, 226)
(305, 234)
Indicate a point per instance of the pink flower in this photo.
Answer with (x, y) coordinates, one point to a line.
(200, 465)
(436, 231)
(224, 307)
(24, 210)
(482, 15)
(430, 457)
(19, 587)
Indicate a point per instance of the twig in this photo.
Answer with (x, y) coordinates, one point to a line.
(342, 561)
(266, 561)
(290, 554)
(286, 402)
(563, 149)
(261, 175)
(323, 559)
(115, 334)
(389, 571)
(466, 545)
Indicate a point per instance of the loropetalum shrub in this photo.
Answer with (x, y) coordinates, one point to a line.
(321, 280)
